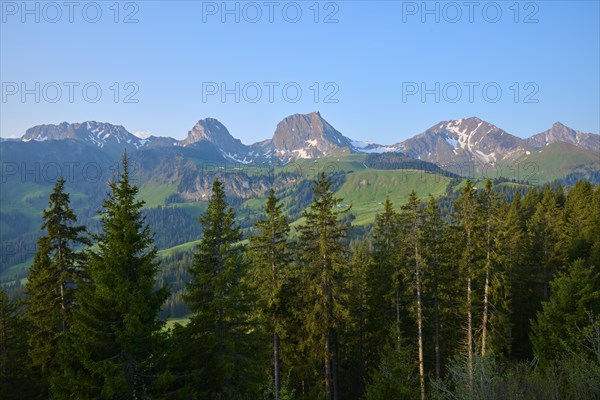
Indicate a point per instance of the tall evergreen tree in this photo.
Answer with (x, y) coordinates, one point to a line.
(580, 211)
(383, 281)
(511, 281)
(271, 257)
(52, 282)
(432, 252)
(219, 330)
(468, 217)
(412, 237)
(110, 352)
(489, 209)
(355, 332)
(548, 241)
(324, 263)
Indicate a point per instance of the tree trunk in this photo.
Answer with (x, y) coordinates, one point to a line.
(62, 289)
(485, 311)
(420, 323)
(328, 386)
(470, 332)
(487, 286)
(336, 388)
(398, 314)
(436, 322)
(276, 366)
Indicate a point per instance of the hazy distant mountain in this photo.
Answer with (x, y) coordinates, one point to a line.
(562, 133)
(100, 134)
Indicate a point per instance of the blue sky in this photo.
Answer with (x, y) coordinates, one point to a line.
(375, 61)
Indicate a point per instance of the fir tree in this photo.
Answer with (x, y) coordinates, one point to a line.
(271, 258)
(221, 343)
(561, 324)
(323, 262)
(355, 328)
(111, 348)
(412, 236)
(548, 240)
(383, 280)
(432, 252)
(468, 217)
(514, 287)
(489, 211)
(52, 282)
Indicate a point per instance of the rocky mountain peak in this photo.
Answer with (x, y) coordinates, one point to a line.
(562, 133)
(308, 136)
(214, 132)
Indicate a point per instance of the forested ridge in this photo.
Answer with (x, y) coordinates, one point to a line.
(484, 294)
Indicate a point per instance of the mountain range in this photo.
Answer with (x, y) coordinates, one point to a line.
(175, 176)
(301, 136)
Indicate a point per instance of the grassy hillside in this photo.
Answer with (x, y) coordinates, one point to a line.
(558, 159)
(366, 190)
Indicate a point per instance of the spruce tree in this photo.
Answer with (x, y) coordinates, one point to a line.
(489, 211)
(110, 352)
(560, 327)
(221, 344)
(579, 213)
(548, 242)
(52, 282)
(383, 281)
(432, 253)
(467, 215)
(271, 257)
(324, 262)
(411, 223)
(355, 330)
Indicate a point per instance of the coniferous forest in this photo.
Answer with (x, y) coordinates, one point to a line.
(490, 296)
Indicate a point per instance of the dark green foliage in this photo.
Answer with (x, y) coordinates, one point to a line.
(397, 375)
(354, 361)
(16, 380)
(567, 317)
(163, 219)
(111, 351)
(394, 160)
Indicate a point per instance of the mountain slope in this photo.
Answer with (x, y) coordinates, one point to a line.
(464, 141)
